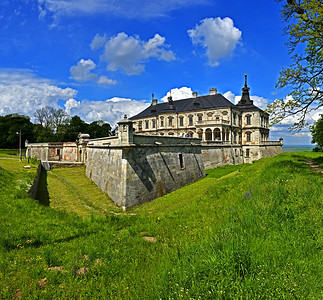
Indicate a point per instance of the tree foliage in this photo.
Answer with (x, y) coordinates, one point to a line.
(304, 77)
(317, 134)
(54, 125)
(10, 126)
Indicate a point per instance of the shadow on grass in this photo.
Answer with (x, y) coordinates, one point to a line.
(42, 192)
(14, 245)
(318, 160)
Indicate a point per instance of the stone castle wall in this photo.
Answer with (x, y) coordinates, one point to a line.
(133, 169)
(144, 170)
(53, 151)
(219, 155)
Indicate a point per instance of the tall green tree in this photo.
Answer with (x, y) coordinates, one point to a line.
(99, 129)
(317, 134)
(304, 77)
(10, 126)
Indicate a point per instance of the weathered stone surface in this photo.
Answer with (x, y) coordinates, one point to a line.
(137, 174)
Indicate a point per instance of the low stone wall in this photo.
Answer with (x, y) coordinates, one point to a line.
(219, 155)
(270, 150)
(34, 187)
(64, 164)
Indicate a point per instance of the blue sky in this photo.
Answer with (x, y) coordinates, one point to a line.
(100, 59)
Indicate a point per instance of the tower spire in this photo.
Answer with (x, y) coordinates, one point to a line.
(245, 98)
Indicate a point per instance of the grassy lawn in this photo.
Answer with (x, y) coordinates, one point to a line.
(243, 232)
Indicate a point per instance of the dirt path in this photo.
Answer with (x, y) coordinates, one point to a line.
(314, 166)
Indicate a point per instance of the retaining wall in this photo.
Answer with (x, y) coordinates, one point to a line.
(136, 174)
(34, 187)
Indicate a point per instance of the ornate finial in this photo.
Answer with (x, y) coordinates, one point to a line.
(152, 96)
(245, 79)
(170, 98)
(125, 116)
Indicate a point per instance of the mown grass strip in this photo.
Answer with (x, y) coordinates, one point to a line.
(70, 190)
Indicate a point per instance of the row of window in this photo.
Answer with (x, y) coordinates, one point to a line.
(190, 121)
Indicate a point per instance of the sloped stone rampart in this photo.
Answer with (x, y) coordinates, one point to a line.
(137, 174)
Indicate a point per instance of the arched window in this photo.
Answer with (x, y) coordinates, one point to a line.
(147, 124)
(217, 134)
(227, 134)
(199, 117)
(181, 121)
(161, 121)
(190, 134)
(248, 119)
(248, 134)
(170, 133)
(170, 121)
(208, 134)
(154, 123)
(190, 120)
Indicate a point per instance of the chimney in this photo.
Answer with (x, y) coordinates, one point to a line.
(153, 100)
(213, 91)
(194, 94)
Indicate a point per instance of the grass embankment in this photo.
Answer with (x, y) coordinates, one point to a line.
(247, 231)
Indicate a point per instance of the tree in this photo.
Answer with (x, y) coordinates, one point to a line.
(73, 128)
(304, 28)
(10, 125)
(99, 129)
(50, 118)
(317, 134)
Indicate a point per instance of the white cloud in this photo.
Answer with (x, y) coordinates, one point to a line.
(82, 72)
(230, 96)
(22, 92)
(125, 8)
(98, 42)
(129, 53)
(111, 110)
(178, 94)
(218, 36)
(260, 102)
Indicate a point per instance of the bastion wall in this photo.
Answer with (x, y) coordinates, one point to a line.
(133, 169)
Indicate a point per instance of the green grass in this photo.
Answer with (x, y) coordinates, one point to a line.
(70, 190)
(11, 152)
(243, 232)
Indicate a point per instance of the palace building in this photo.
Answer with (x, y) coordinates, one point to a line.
(212, 118)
